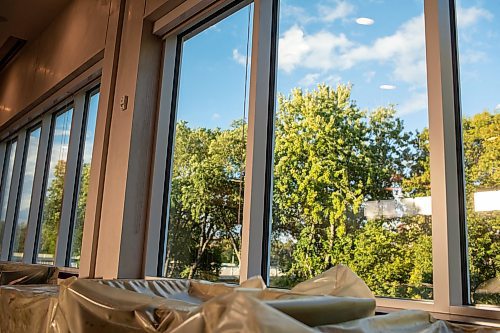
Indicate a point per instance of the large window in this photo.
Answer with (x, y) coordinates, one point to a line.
(25, 191)
(8, 166)
(49, 183)
(351, 158)
(54, 186)
(207, 182)
(43, 220)
(338, 161)
(88, 134)
(479, 46)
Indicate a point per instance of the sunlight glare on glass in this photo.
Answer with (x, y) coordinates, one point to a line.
(487, 201)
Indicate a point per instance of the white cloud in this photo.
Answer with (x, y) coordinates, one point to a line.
(337, 10)
(65, 132)
(471, 56)
(310, 51)
(215, 115)
(387, 87)
(417, 102)
(369, 76)
(215, 28)
(312, 79)
(296, 13)
(309, 80)
(333, 79)
(323, 50)
(239, 58)
(467, 17)
(292, 48)
(364, 21)
(497, 107)
(331, 14)
(405, 49)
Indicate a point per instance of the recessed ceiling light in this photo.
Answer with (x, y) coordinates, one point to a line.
(387, 87)
(364, 21)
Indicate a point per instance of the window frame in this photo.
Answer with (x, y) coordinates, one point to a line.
(160, 188)
(32, 127)
(45, 120)
(76, 186)
(70, 105)
(451, 282)
(18, 138)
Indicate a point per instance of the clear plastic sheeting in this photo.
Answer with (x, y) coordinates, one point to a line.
(337, 281)
(189, 306)
(28, 308)
(17, 273)
(88, 306)
(165, 305)
(408, 321)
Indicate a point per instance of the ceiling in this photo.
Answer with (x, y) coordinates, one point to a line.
(24, 20)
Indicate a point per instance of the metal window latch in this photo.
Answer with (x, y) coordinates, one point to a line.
(124, 102)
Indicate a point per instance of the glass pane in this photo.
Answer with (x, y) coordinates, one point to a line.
(206, 198)
(83, 182)
(24, 200)
(52, 204)
(479, 47)
(351, 165)
(8, 165)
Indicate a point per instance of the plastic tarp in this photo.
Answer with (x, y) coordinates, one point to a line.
(408, 321)
(188, 306)
(27, 308)
(166, 305)
(18, 273)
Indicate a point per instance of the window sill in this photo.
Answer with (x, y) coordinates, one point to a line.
(479, 314)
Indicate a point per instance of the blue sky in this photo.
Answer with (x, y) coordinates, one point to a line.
(59, 152)
(377, 46)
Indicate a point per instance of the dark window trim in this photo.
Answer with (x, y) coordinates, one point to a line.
(170, 157)
(268, 194)
(81, 147)
(181, 38)
(466, 292)
(68, 106)
(29, 130)
(8, 153)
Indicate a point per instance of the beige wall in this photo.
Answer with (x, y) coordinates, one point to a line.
(69, 45)
(115, 37)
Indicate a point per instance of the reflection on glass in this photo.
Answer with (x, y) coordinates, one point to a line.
(24, 203)
(8, 165)
(351, 164)
(207, 183)
(52, 204)
(479, 46)
(83, 182)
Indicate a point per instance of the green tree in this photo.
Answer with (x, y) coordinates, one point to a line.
(205, 200)
(318, 136)
(76, 244)
(331, 157)
(482, 173)
(52, 210)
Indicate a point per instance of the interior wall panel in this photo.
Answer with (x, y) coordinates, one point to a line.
(71, 41)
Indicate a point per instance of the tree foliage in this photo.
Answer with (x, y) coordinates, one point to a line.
(331, 158)
(205, 200)
(52, 210)
(482, 164)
